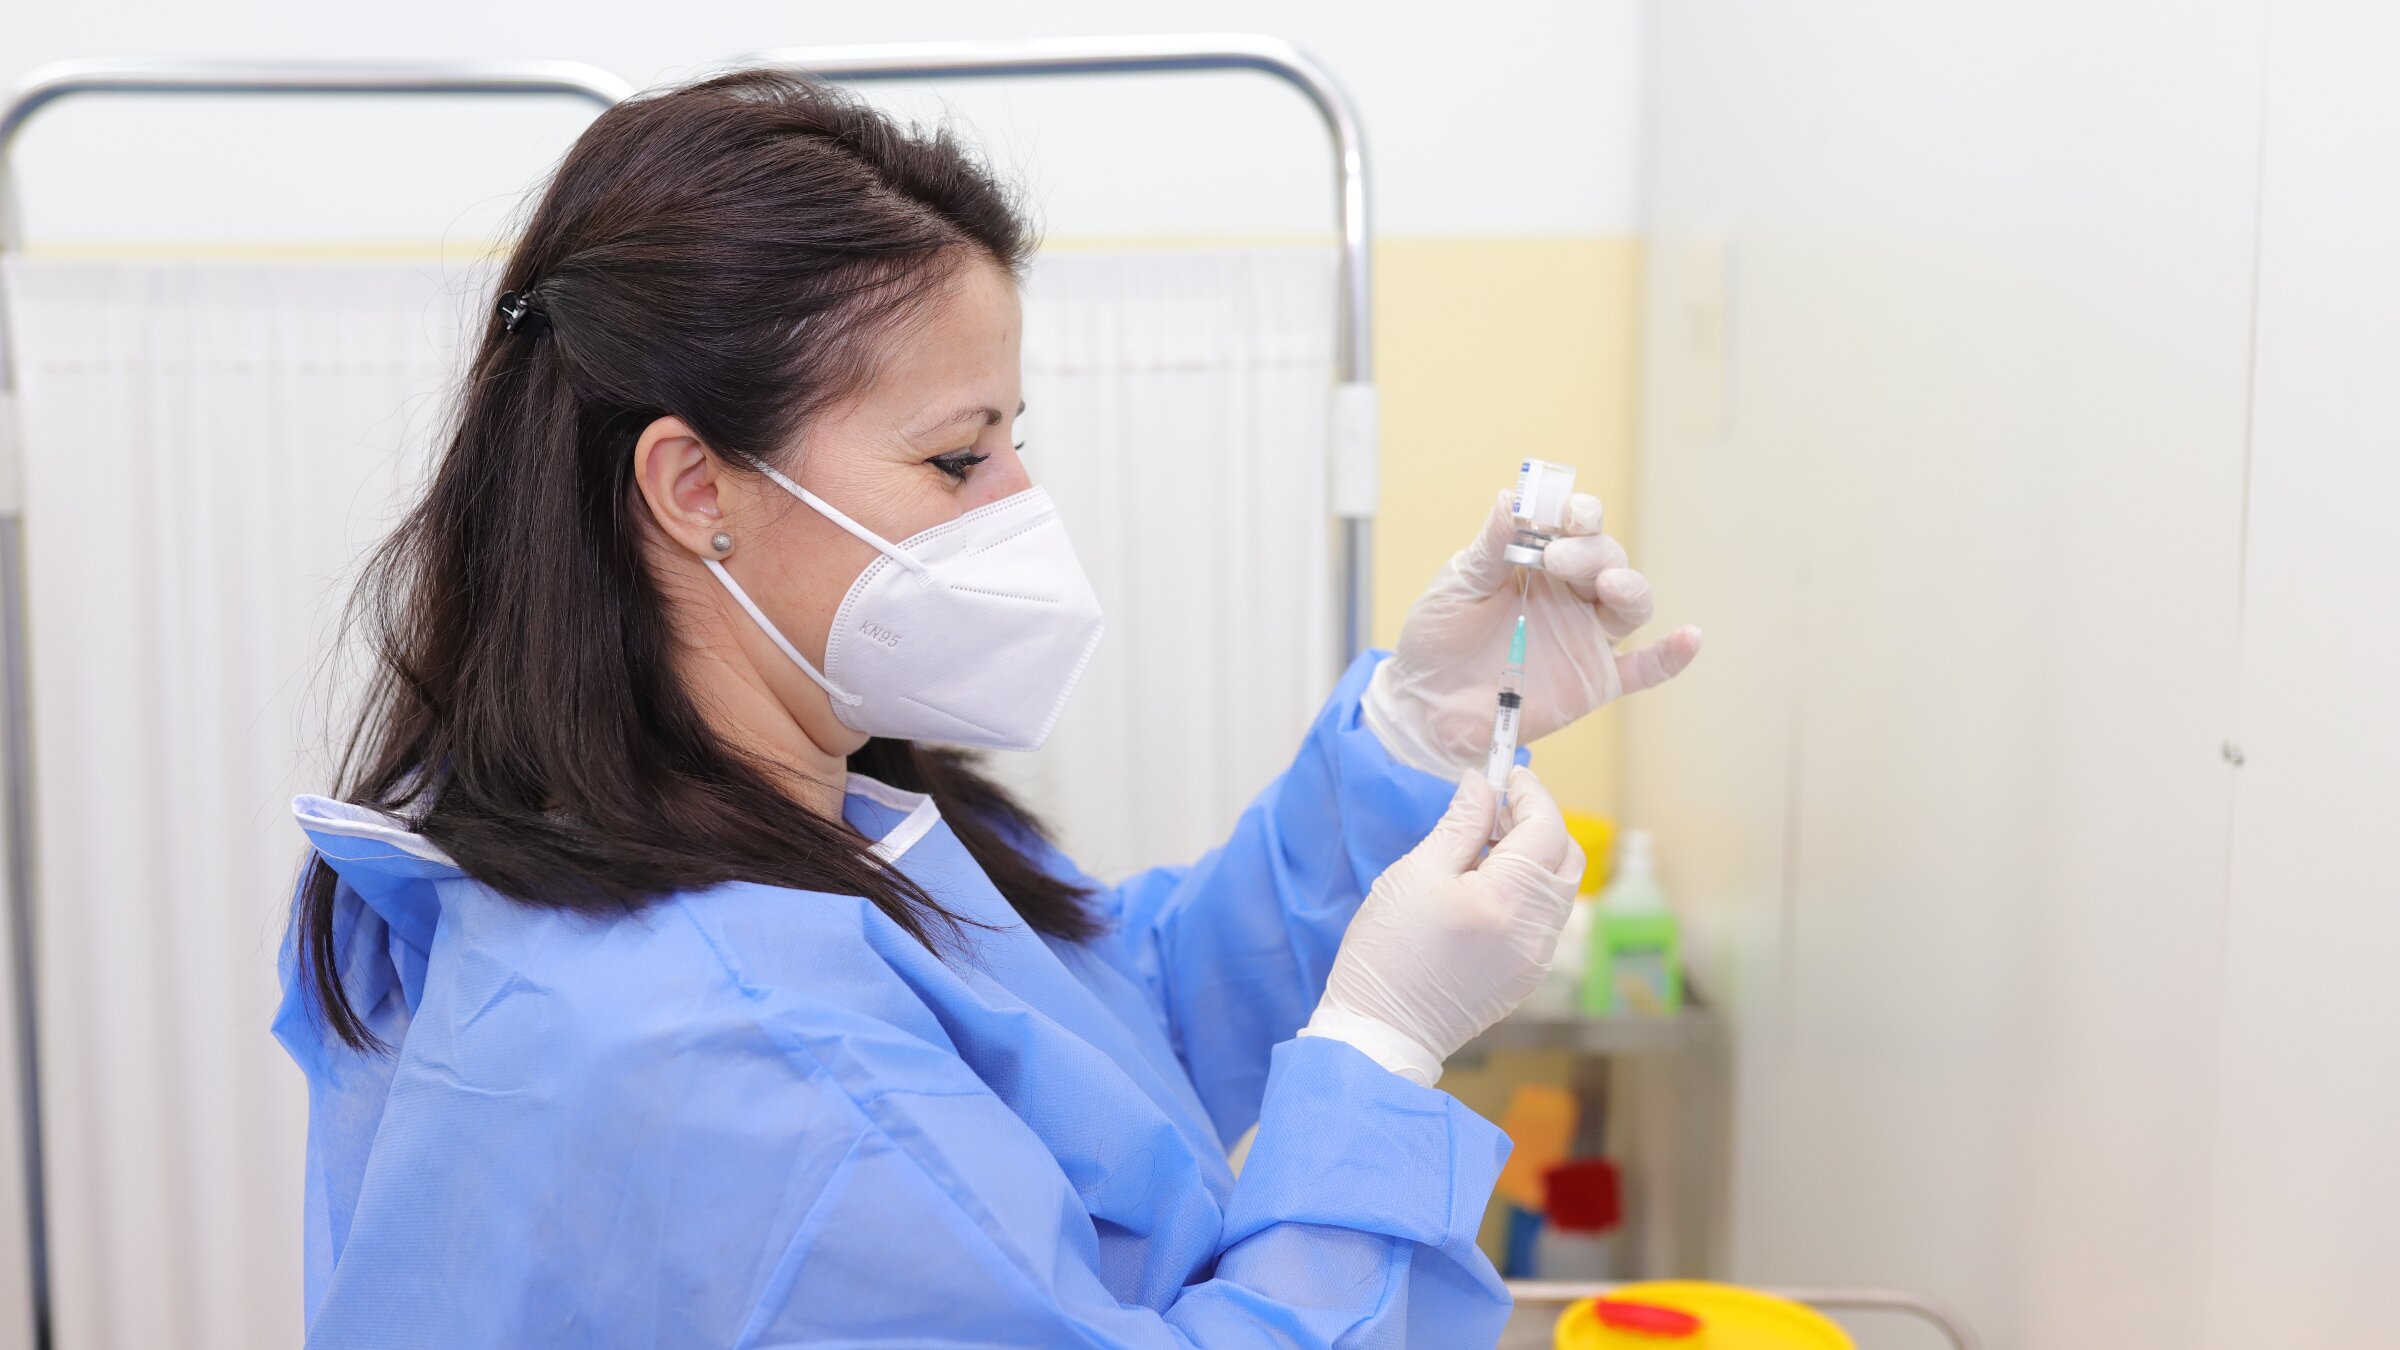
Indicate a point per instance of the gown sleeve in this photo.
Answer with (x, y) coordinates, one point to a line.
(1353, 1223)
(1233, 950)
(730, 1171)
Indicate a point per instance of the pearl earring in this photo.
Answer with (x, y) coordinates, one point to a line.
(721, 541)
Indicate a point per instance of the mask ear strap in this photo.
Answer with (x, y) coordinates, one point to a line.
(856, 530)
(767, 626)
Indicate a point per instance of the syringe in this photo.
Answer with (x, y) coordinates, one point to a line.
(1539, 507)
(1503, 755)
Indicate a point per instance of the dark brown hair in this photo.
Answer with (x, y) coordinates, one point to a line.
(729, 252)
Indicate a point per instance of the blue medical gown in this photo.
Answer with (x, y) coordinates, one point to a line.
(751, 1116)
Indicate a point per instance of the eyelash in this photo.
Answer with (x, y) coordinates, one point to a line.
(959, 463)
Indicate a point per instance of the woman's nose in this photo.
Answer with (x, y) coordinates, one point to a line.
(1004, 475)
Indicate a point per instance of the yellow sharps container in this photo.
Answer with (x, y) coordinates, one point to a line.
(1691, 1315)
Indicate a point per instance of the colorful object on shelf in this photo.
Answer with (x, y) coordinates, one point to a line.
(1540, 1124)
(1584, 1195)
(1519, 1241)
(1636, 964)
(1598, 835)
(1694, 1315)
(1583, 1204)
(1560, 994)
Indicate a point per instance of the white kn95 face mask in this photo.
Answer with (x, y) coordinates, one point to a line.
(971, 633)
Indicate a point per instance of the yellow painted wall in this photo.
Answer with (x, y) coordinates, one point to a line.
(1490, 350)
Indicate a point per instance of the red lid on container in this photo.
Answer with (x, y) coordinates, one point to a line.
(1646, 1319)
(1582, 1195)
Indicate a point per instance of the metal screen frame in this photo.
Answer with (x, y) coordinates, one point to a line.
(1356, 443)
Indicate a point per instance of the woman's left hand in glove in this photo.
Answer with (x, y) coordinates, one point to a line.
(1431, 702)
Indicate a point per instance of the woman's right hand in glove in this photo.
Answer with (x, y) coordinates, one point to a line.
(1446, 944)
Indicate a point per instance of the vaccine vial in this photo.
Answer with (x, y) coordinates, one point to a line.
(1540, 509)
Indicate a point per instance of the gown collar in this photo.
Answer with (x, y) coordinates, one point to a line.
(918, 815)
(327, 820)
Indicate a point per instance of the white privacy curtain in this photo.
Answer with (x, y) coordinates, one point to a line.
(1178, 407)
(208, 449)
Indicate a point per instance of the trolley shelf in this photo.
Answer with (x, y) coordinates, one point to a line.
(1625, 1035)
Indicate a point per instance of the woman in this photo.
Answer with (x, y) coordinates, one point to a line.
(656, 985)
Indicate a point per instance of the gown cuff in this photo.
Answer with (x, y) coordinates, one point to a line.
(1378, 1040)
(1344, 1143)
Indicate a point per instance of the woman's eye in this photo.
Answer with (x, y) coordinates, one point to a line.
(958, 464)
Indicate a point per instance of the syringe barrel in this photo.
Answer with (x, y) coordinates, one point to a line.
(1502, 755)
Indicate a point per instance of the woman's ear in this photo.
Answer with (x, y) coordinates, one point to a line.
(682, 482)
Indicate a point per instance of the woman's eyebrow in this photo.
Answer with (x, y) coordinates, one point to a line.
(990, 416)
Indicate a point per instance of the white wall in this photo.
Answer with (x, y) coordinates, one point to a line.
(1952, 442)
(1514, 118)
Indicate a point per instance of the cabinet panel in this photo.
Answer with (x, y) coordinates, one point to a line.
(2307, 1175)
(1957, 492)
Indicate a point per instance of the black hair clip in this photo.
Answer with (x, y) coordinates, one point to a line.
(519, 310)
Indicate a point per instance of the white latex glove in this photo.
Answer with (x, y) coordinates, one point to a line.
(1444, 946)
(1431, 701)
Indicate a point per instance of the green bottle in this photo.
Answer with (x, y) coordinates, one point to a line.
(1637, 955)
